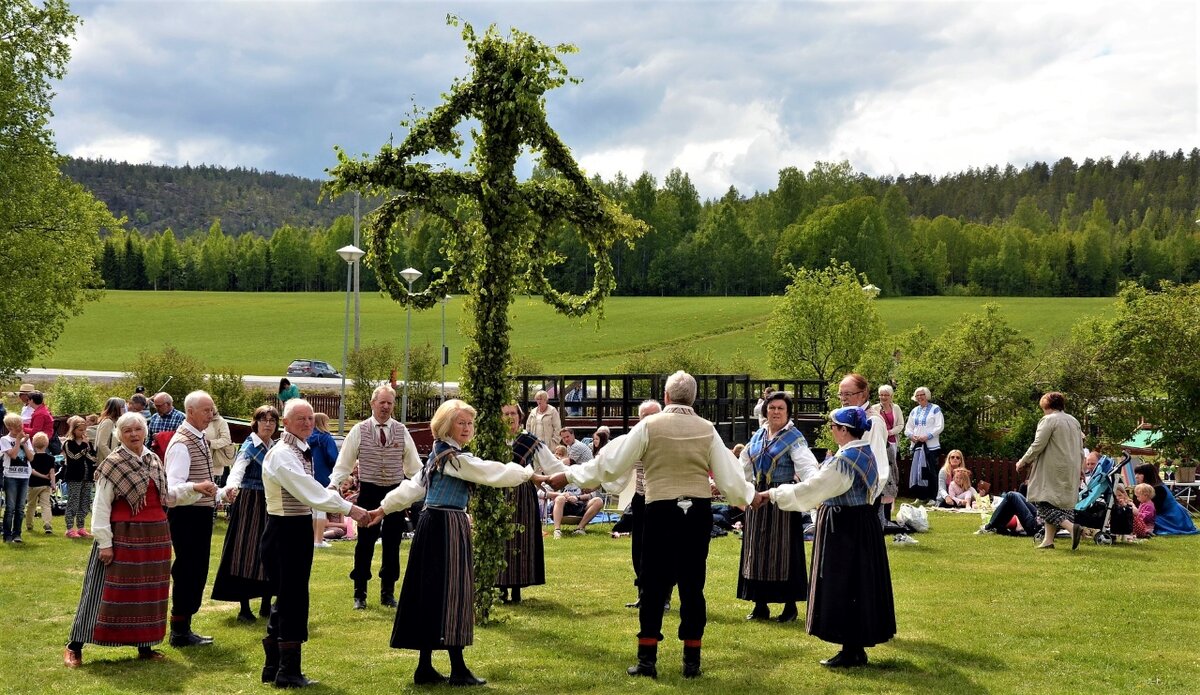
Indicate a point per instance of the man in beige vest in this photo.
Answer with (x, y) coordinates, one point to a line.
(677, 449)
(386, 455)
(190, 476)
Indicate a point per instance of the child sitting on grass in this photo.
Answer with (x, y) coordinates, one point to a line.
(1143, 518)
(960, 494)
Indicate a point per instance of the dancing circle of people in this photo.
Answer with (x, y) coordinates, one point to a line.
(152, 520)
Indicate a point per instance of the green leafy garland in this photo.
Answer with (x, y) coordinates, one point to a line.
(495, 246)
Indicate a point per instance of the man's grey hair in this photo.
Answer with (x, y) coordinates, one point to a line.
(192, 399)
(681, 387)
(166, 397)
(292, 404)
(385, 388)
(649, 407)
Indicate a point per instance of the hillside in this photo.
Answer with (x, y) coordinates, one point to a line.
(189, 198)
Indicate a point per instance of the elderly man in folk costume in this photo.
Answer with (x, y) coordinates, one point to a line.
(386, 456)
(192, 481)
(677, 449)
(287, 550)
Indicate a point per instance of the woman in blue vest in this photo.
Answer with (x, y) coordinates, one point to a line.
(436, 608)
(772, 566)
(850, 598)
(241, 575)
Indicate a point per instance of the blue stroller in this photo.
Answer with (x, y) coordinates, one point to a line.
(1095, 507)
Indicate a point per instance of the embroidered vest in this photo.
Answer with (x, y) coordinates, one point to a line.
(444, 490)
(200, 461)
(772, 458)
(291, 505)
(255, 455)
(380, 465)
(857, 463)
(676, 459)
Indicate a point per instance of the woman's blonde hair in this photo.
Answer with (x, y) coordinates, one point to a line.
(444, 417)
(965, 473)
(962, 461)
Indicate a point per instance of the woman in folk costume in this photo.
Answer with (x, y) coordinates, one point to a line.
(241, 575)
(127, 583)
(436, 608)
(772, 566)
(850, 597)
(924, 425)
(524, 556)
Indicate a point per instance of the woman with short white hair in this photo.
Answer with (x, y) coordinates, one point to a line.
(925, 423)
(893, 417)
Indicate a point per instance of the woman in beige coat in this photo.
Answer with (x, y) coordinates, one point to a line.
(1054, 460)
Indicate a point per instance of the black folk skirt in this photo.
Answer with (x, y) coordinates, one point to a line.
(241, 575)
(523, 553)
(850, 597)
(436, 607)
(772, 567)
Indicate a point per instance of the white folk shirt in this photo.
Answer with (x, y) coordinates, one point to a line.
(179, 468)
(284, 469)
(470, 468)
(348, 456)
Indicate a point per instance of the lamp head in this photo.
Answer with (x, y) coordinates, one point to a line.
(351, 253)
(410, 275)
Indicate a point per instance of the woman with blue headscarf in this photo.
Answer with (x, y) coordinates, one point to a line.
(850, 593)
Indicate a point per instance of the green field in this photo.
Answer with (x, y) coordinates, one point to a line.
(262, 333)
(976, 614)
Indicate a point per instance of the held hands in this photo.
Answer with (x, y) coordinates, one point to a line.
(208, 488)
(760, 499)
(230, 494)
(375, 516)
(537, 479)
(361, 516)
(557, 481)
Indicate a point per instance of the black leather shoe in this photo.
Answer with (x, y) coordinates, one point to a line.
(788, 615)
(386, 600)
(360, 604)
(428, 676)
(189, 639)
(759, 614)
(691, 670)
(846, 659)
(467, 679)
(1076, 535)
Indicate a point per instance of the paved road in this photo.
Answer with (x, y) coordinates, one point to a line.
(252, 380)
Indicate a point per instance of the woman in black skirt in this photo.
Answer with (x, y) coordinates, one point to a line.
(524, 556)
(436, 608)
(850, 593)
(772, 567)
(241, 575)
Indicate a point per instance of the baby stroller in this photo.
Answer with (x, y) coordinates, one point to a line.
(1095, 507)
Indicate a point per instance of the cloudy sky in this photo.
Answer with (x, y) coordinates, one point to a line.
(730, 92)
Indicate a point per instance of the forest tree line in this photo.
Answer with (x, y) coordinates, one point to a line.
(1065, 229)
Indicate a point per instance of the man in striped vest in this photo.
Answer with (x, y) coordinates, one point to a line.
(678, 449)
(287, 549)
(386, 455)
(190, 477)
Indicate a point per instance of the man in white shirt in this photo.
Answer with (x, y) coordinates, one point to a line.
(386, 456)
(287, 549)
(677, 449)
(190, 476)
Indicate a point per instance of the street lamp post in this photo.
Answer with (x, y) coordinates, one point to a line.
(410, 276)
(351, 254)
(445, 352)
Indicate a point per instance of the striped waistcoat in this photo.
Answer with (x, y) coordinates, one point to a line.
(380, 465)
(200, 469)
(291, 505)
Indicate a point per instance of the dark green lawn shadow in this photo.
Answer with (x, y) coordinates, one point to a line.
(927, 667)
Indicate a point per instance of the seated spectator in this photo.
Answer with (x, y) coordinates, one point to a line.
(737, 450)
(1143, 518)
(1089, 466)
(600, 438)
(960, 494)
(576, 450)
(1013, 515)
(340, 527)
(573, 501)
(1121, 520)
(1170, 518)
(954, 461)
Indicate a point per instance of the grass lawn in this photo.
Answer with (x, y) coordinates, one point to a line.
(261, 333)
(982, 614)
